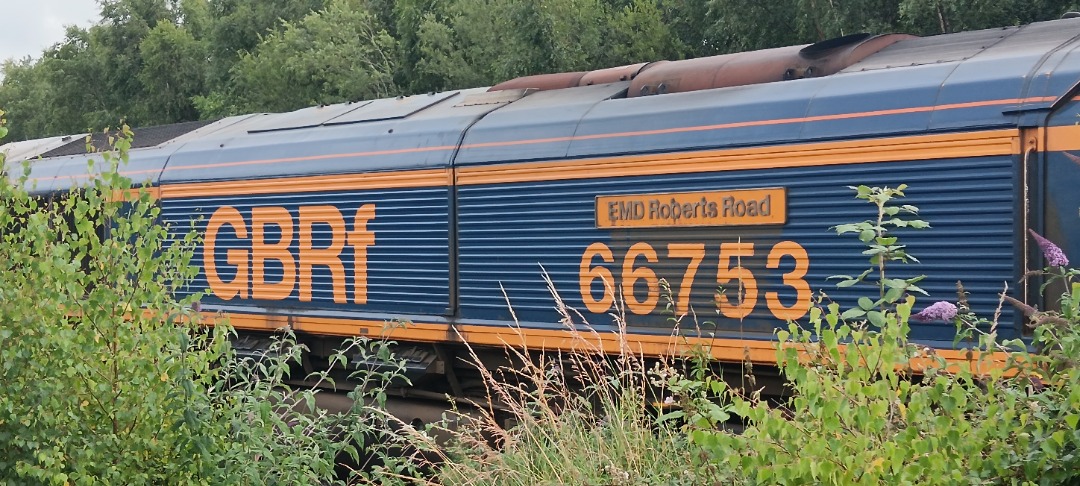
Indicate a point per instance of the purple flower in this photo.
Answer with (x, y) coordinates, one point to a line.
(1054, 256)
(939, 311)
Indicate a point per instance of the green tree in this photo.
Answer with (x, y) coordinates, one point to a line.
(236, 27)
(641, 32)
(138, 64)
(83, 95)
(928, 17)
(114, 48)
(331, 56)
(739, 25)
(480, 42)
(239, 25)
(26, 93)
(689, 21)
(172, 74)
(409, 18)
(742, 25)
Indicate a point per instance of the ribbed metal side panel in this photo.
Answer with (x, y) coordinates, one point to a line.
(510, 233)
(407, 266)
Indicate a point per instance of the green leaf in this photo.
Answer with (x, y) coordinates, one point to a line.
(894, 283)
(876, 318)
(673, 415)
(912, 288)
(847, 228)
(865, 303)
(886, 240)
(853, 313)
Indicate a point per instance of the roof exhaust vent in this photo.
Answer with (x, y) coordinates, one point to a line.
(764, 66)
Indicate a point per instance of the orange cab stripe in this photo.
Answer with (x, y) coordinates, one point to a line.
(923, 147)
(721, 349)
(343, 182)
(546, 339)
(1063, 138)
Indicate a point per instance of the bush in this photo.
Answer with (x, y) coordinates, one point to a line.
(870, 407)
(107, 378)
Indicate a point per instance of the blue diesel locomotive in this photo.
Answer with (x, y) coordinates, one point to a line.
(695, 194)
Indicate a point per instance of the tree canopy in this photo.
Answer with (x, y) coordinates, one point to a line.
(152, 62)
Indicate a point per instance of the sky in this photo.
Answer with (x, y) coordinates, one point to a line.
(27, 27)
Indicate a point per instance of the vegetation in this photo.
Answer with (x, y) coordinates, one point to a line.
(870, 407)
(583, 418)
(866, 407)
(155, 62)
(107, 378)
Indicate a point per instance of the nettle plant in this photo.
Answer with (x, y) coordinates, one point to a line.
(868, 406)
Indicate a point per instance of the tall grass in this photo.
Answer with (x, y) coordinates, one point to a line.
(581, 417)
(856, 413)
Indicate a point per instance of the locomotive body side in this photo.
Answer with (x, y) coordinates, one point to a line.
(704, 213)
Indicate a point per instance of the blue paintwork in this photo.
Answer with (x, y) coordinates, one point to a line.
(442, 253)
(1057, 204)
(408, 267)
(386, 141)
(546, 114)
(505, 238)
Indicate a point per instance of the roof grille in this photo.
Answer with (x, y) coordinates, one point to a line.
(144, 137)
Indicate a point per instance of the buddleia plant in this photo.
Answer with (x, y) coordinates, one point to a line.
(869, 406)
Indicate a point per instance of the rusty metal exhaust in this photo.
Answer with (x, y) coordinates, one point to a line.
(738, 69)
(764, 66)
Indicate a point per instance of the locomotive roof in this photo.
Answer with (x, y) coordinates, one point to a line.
(981, 79)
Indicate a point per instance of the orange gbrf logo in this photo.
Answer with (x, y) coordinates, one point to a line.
(250, 259)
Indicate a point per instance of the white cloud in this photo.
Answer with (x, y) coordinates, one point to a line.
(27, 27)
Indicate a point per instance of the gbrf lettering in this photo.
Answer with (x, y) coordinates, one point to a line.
(256, 249)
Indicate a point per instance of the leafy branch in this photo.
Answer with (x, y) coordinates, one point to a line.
(882, 247)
